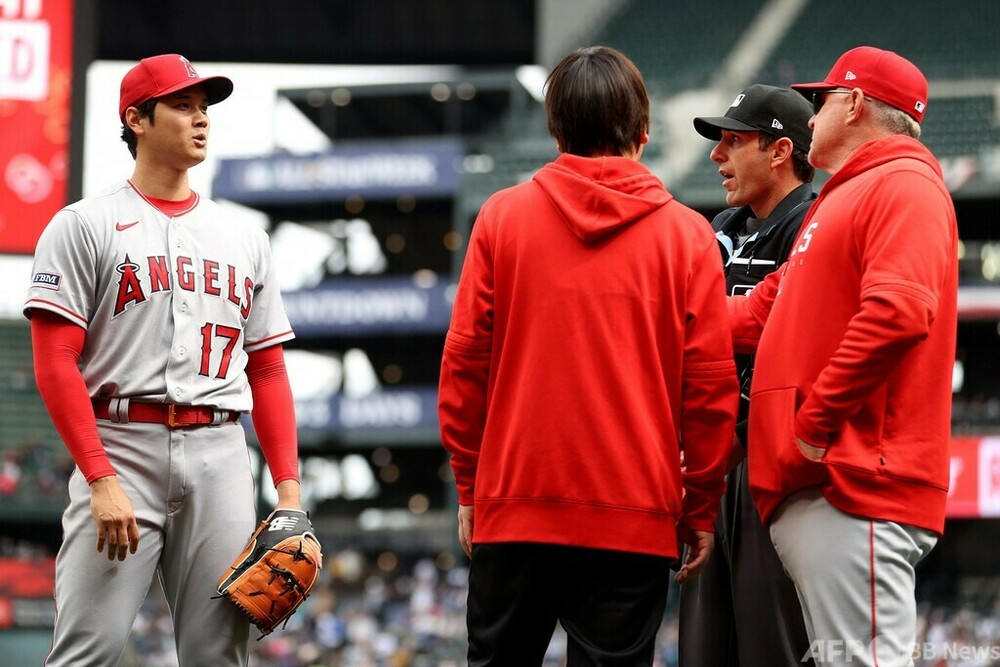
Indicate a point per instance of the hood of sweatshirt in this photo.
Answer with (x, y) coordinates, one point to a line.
(879, 151)
(598, 196)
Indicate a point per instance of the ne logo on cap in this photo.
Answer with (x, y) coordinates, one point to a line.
(776, 124)
(882, 75)
(736, 102)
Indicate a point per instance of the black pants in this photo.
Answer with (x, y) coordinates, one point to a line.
(609, 602)
(742, 609)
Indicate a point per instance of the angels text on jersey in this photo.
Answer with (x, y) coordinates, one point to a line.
(138, 282)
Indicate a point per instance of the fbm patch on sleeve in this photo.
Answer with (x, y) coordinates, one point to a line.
(46, 280)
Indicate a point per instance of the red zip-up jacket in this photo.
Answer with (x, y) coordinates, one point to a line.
(589, 344)
(858, 347)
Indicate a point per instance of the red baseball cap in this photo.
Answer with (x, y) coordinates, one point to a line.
(882, 75)
(161, 75)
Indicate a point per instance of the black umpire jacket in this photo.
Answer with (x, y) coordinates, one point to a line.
(760, 254)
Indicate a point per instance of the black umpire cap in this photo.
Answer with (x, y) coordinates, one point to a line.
(780, 112)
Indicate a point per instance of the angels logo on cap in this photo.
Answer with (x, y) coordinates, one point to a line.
(189, 67)
(162, 75)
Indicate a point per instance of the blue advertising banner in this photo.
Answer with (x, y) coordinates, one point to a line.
(398, 410)
(383, 409)
(370, 305)
(372, 170)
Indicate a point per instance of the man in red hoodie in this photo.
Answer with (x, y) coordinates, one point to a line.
(851, 401)
(588, 349)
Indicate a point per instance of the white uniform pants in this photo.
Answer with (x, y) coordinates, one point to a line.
(855, 579)
(193, 495)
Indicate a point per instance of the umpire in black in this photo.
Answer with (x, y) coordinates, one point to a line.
(743, 609)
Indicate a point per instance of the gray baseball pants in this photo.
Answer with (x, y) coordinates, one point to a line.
(193, 495)
(855, 579)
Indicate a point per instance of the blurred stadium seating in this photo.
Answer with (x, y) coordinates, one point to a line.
(34, 466)
(961, 125)
(680, 48)
(948, 40)
(678, 45)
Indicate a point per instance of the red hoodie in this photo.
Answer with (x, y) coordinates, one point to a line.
(859, 344)
(588, 345)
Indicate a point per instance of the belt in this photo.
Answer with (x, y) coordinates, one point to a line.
(123, 411)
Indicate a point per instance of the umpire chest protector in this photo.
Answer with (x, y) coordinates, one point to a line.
(750, 254)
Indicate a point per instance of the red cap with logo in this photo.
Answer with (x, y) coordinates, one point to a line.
(882, 75)
(162, 75)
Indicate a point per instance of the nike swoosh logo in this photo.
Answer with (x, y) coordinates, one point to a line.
(120, 227)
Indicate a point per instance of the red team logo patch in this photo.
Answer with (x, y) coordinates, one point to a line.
(129, 288)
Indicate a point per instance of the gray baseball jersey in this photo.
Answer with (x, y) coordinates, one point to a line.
(171, 305)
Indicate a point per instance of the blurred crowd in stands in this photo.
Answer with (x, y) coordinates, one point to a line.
(975, 415)
(361, 616)
(392, 610)
(34, 474)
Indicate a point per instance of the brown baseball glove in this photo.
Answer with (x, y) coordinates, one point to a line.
(277, 569)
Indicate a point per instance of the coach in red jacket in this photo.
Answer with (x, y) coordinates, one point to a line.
(589, 346)
(851, 401)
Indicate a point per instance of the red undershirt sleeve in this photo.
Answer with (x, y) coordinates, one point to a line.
(274, 411)
(57, 345)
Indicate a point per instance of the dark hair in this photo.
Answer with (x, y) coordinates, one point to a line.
(596, 102)
(800, 158)
(146, 110)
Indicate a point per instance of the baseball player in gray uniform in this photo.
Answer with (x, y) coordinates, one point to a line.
(156, 322)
